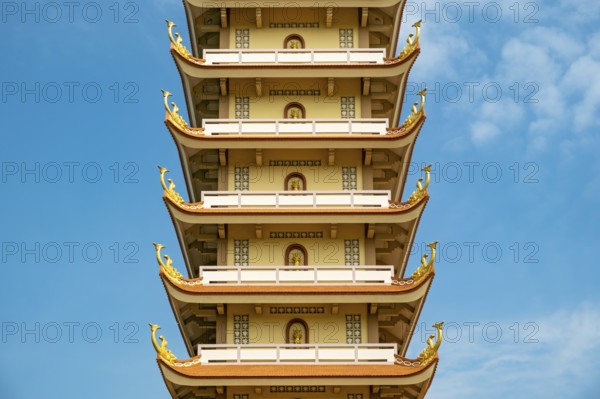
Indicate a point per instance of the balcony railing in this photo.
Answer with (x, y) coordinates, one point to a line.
(294, 56)
(297, 199)
(301, 353)
(240, 127)
(296, 275)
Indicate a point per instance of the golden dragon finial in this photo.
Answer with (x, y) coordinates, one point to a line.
(171, 272)
(411, 44)
(429, 353)
(162, 349)
(173, 115)
(170, 190)
(177, 42)
(421, 190)
(425, 266)
(416, 113)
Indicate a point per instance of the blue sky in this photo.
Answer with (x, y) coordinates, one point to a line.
(512, 131)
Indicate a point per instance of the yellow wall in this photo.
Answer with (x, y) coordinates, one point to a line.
(267, 328)
(272, 106)
(271, 251)
(266, 37)
(272, 178)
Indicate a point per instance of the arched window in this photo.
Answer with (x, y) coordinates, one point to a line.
(293, 42)
(296, 332)
(295, 182)
(296, 255)
(294, 111)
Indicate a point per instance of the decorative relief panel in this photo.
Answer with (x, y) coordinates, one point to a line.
(242, 107)
(355, 396)
(242, 38)
(241, 330)
(347, 107)
(241, 181)
(352, 252)
(346, 38)
(349, 180)
(353, 329)
(240, 253)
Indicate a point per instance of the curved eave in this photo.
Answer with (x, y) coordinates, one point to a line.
(295, 215)
(297, 374)
(350, 293)
(198, 70)
(297, 3)
(195, 139)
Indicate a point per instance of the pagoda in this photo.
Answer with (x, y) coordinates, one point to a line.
(294, 234)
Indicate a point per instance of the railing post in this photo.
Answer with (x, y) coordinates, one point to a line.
(354, 274)
(277, 274)
(239, 354)
(277, 200)
(239, 273)
(314, 199)
(239, 196)
(315, 274)
(356, 353)
(314, 127)
(240, 127)
(349, 126)
(276, 127)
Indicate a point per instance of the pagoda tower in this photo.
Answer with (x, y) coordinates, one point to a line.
(294, 234)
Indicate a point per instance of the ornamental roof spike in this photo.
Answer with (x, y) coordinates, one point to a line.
(430, 352)
(421, 190)
(177, 41)
(412, 41)
(416, 113)
(173, 114)
(170, 190)
(165, 354)
(170, 271)
(425, 267)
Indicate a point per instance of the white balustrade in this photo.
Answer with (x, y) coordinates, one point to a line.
(294, 56)
(240, 127)
(297, 199)
(296, 275)
(300, 353)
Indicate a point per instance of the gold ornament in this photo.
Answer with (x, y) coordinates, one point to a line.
(411, 44)
(162, 349)
(170, 190)
(173, 115)
(421, 190)
(170, 271)
(415, 114)
(430, 351)
(177, 42)
(425, 266)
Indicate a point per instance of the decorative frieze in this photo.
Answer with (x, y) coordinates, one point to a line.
(293, 25)
(296, 234)
(294, 92)
(297, 389)
(295, 163)
(297, 309)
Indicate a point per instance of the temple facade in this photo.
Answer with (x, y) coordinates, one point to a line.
(294, 234)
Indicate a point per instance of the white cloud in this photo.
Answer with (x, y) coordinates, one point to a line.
(564, 363)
